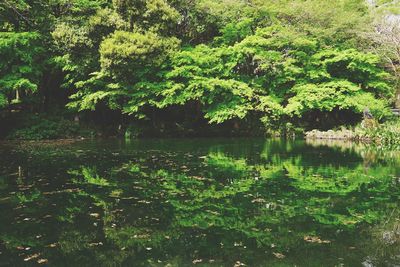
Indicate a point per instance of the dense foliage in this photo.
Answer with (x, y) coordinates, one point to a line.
(264, 64)
(386, 135)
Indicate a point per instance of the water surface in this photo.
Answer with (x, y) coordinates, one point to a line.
(203, 202)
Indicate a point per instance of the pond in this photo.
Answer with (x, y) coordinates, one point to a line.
(202, 202)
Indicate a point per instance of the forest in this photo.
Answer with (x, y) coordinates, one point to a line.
(139, 68)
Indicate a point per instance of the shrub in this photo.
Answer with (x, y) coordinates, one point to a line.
(37, 127)
(386, 134)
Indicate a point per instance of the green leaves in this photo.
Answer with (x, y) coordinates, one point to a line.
(151, 15)
(360, 68)
(20, 66)
(339, 94)
(70, 37)
(238, 60)
(126, 53)
(3, 100)
(276, 74)
(206, 75)
(130, 63)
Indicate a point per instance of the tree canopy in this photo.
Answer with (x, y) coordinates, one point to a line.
(268, 61)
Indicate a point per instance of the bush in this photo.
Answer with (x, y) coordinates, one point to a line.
(386, 134)
(37, 127)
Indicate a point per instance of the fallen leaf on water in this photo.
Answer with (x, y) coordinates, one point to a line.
(96, 215)
(137, 187)
(96, 244)
(40, 261)
(279, 255)
(31, 257)
(199, 178)
(258, 200)
(142, 236)
(316, 239)
(144, 201)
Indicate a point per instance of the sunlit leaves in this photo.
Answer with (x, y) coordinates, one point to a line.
(126, 53)
(20, 66)
(276, 72)
(328, 96)
(151, 15)
(67, 37)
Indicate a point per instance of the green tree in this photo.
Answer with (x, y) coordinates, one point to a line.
(21, 65)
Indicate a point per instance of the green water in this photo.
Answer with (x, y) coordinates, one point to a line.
(203, 202)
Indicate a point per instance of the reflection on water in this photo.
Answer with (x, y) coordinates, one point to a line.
(219, 202)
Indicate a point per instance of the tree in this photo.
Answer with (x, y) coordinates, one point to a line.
(225, 60)
(129, 63)
(20, 67)
(276, 72)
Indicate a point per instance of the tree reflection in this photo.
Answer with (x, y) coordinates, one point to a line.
(220, 210)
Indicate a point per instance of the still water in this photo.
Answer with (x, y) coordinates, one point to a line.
(198, 202)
